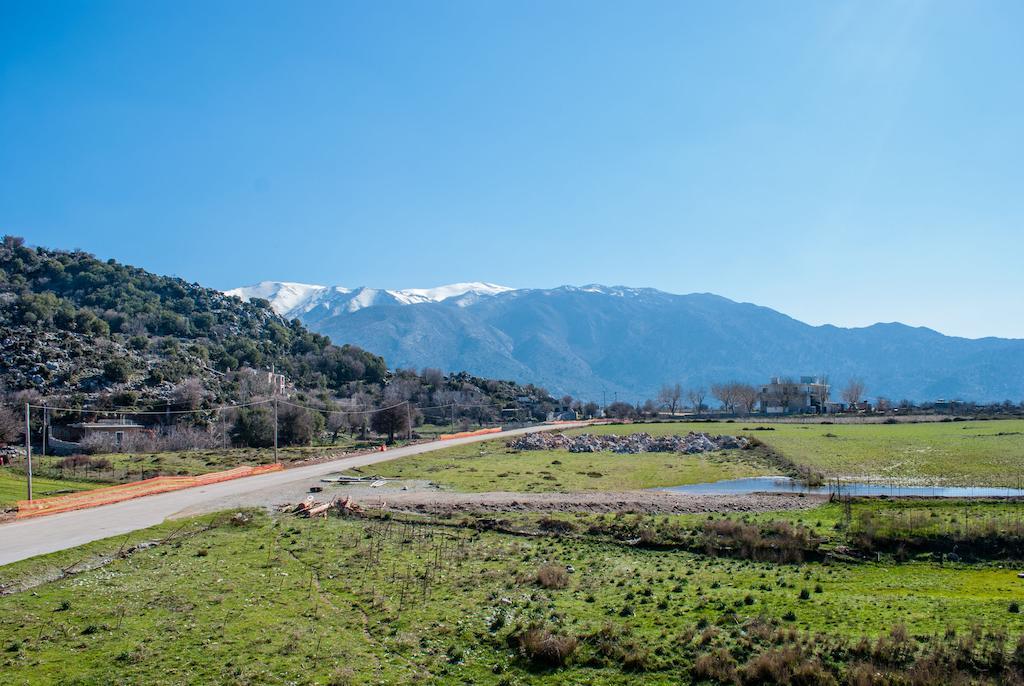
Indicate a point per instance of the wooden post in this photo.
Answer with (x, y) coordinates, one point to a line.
(28, 449)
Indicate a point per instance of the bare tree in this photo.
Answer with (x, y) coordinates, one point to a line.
(696, 397)
(745, 397)
(668, 397)
(853, 391)
(726, 394)
(189, 394)
(432, 377)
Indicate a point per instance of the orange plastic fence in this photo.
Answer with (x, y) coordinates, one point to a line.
(467, 434)
(135, 489)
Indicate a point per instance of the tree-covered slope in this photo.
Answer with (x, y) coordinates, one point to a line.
(73, 324)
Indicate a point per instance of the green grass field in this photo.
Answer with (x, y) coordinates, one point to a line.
(13, 487)
(490, 466)
(129, 466)
(283, 601)
(972, 453)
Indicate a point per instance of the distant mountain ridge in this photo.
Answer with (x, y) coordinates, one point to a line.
(597, 341)
(297, 299)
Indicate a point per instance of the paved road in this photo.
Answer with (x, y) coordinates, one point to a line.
(29, 537)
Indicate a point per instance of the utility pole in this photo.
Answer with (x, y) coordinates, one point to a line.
(276, 459)
(453, 418)
(408, 419)
(28, 449)
(46, 421)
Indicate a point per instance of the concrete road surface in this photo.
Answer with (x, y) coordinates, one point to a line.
(29, 537)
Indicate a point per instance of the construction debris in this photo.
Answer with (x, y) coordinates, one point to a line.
(319, 509)
(346, 506)
(691, 443)
(347, 479)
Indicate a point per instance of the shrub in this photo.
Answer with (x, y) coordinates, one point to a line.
(553, 576)
(785, 666)
(717, 666)
(117, 370)
(556, 526)
(542, 647)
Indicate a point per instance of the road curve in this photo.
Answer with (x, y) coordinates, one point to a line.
(22, 539)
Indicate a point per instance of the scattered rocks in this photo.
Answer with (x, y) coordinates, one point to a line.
(691, 443)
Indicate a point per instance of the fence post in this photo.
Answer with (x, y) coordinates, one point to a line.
(28, 448)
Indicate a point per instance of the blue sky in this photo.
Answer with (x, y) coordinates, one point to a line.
(843, 162)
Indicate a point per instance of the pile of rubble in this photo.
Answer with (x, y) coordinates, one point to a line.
(689, 444)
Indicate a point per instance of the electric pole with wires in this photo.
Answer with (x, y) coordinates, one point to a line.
(28, 449)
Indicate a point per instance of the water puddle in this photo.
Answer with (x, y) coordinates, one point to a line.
(784, 484)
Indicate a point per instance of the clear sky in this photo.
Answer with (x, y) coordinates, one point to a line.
(843, 162)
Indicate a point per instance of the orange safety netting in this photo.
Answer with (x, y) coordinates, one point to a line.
(467, 434)
(136, 489)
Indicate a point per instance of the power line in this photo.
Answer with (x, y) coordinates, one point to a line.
(130, 410)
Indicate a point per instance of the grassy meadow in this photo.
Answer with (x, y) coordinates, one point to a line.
(13, 487)
(969, 453)
(491, 466)
(275, 600)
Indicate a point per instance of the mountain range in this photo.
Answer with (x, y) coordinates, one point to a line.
(602, 342)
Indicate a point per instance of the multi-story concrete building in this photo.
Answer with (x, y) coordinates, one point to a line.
(784, 395)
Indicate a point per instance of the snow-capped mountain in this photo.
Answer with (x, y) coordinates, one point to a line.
(597, 341)
(299, 299)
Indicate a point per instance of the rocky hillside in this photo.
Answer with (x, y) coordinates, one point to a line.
(74, 325)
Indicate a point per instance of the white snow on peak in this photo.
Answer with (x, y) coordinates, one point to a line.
(293, 299)
(284, 296)
(454, 290)
(364, 297)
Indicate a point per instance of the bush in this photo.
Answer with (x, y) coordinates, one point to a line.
(556, 526)
(117, 370)
(542, 647)
(553, 576)
(785, 666)
(717, 666)
(253, 428)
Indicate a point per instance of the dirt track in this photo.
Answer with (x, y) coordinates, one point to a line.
(647, 502)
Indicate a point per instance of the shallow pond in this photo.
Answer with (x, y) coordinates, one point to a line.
(784, 484)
